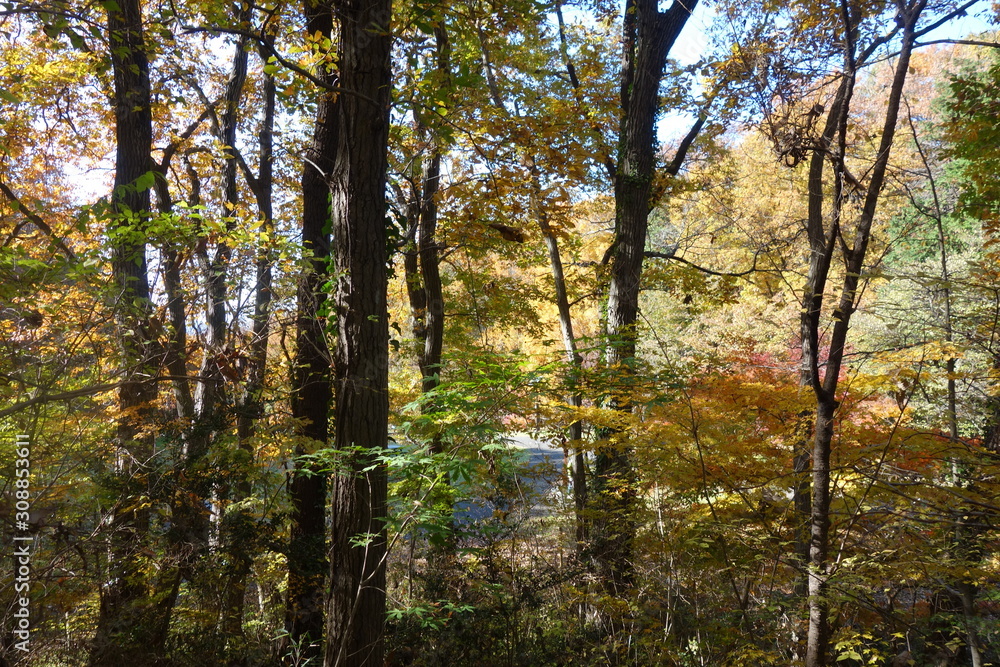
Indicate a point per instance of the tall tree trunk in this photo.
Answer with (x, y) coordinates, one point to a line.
(312, 383)
(648, 35)
(820, 246)
(427, 249)
(190, 518)
(422, 263)
(433, 327)
(427, 244)
(251, 407)
(433, 296)
(578, 464)
(818, 649)
(356, 609)
(130, 627)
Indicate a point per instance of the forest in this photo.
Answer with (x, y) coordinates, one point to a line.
(359, 333)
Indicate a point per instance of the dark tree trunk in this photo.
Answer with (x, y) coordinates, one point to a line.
(427, 248)
(422, 267)
(430, 280)
(429, 358)
(648, 35)
(307, 563)
(356, 609)
(818, 639)
(819, 266)
(130, 629)
(427, 297)
(190, 518)
(235, 527)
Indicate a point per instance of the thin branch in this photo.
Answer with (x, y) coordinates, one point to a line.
(63, 396)
(173, 146)
(605, 158)
(667, 255)
(87, 391)
(285, 62)
(963, 42)
(958, 11)
(682, 150)
(36, 220)
(583, 298)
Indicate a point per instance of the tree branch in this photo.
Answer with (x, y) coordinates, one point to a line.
(36, 220)
(173, 146)
(649, 254)
(682, 150)
(282, 60)
(958, 11)
(963, 42)
(86, 391)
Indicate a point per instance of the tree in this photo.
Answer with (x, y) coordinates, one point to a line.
(184, 445)
(132, 625)
(421, 260)
(251, 404)
(356, 604)
(311, 400)
(648, 35)
(825, 238)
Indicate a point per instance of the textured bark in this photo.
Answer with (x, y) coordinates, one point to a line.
(422, 266)
(648, 35)
(356, 606)
(312, 382)
(426, 297)
(427, 248)
(131, 627)
(430, 279)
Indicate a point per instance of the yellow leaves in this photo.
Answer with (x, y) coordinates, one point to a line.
(40, 85)
(563, 414)
(317, 48)
(895, 374)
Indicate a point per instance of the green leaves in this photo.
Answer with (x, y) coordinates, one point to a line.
(145, 182)
(431, 616)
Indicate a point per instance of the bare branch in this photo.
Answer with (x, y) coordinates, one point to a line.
(963, 42)
(85, 391)
(282, 60)
(649, 254)
(36, 220)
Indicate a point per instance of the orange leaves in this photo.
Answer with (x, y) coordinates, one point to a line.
(738, 426)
